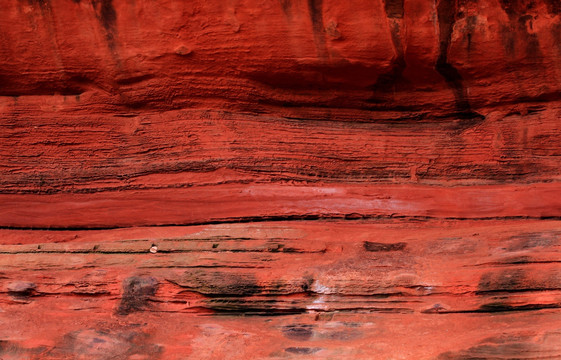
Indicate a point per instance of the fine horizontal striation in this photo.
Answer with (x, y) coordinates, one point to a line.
(436, 267)
(280, 179)
(308, 287)
(50, 152)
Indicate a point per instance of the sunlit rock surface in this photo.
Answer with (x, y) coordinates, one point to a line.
(243, 179)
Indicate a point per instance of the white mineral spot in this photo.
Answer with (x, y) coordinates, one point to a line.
(318, 304)
(318, 288)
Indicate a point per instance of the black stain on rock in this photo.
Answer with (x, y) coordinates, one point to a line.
(527, 241)
(107, 17)
(137, 293)
(394, 8)
(298, 331)
(302, 350)
(511, 7)
(307, 282)
(218, 283)
(382, 247)
(446, 10)
(471, 21)
(388, 81)
(525, 24)
(518, 280)
(495, 307)
(286, 6)
(129, 80)
(316, 14)
(505, 280)
(516, 8)
(521, 14)
(21, 290)
(315, 7)
(508, 38)
(239, 293)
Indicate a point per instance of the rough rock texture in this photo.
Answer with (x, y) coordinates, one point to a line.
(243, 179)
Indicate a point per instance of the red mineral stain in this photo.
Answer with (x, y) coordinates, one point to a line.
(280, 179)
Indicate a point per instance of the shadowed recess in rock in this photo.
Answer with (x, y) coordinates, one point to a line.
(446, 14)
(381, 247)
(393, 79)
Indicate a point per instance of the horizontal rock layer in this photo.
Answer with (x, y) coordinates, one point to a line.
(339, 288)
(443, 56)
(280, 179)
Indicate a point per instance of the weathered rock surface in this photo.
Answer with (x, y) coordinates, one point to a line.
(279, 179)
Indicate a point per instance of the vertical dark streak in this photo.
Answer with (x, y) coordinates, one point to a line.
(520, 20)
(394, 11)
(446, 10)
(509, 8)
(316, 14)
(532, 44)
(107, 17)
(316, 10)
(471, 22)
(286, 8)
(43, 4)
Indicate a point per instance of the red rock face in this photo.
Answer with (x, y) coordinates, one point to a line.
(365, 55)
(280, 179)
